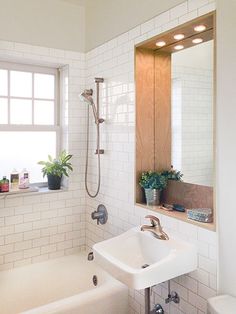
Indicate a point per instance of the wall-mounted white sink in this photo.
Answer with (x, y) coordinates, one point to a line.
(125, 256)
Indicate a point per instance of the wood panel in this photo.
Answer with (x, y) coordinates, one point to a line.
(144, 77)
(189, 195)
(162, 111)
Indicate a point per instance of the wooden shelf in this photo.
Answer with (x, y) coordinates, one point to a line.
(180, 216)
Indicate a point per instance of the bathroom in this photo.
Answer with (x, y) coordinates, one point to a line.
(54, 229)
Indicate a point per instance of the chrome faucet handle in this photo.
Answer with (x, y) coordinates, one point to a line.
(154, 220)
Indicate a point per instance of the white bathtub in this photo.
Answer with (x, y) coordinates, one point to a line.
(63, 286)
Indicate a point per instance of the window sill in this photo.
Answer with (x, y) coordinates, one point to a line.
(30, 191)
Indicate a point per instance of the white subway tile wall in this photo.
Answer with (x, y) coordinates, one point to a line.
(37, 227)
(114, 61)
(192, 138)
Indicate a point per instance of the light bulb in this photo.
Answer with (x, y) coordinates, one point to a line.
(160, 43)
(197, 40)
(200, 28)
(179, 47)
(179, 36)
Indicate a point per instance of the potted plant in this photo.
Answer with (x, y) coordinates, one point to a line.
(172, 174)
(153, 183)
(55, 169)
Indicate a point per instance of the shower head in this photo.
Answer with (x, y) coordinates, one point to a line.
(86, 96)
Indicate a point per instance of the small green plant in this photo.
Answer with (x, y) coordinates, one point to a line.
(153, 180)
(57, 167)
(172, 174)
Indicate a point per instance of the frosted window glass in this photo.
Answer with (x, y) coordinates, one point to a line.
(44, 86)
(3, 83)
(20, 111)
(43, 112)
(23, 150)
(20, 84)
(3, 111)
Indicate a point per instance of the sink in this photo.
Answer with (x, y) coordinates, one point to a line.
(140, 260)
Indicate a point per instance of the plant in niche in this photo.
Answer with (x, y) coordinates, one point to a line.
(173, 174)
(153, 183)
(153, 180)
(56, 168)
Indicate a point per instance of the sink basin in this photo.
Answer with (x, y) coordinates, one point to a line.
(140, 260)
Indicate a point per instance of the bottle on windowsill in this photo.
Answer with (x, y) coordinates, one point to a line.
(4, 183)
(24, 179)
(14, 179)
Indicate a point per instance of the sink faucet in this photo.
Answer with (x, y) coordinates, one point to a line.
(155, 228)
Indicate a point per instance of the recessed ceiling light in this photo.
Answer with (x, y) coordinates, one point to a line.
(179, 36)
(160, 43)
(197, 40)
(200, 28)
(179, 47)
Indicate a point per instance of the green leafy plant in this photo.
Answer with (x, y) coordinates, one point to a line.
(57, 167)
(172, 174)
(153, 180)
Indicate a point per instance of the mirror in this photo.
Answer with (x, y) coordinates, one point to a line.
(174, 81)
(192, 113)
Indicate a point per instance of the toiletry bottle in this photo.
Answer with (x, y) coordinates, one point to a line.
(4, 185)
(14, 179)
(24, 179)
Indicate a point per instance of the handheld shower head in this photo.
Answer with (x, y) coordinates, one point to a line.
(86, 97)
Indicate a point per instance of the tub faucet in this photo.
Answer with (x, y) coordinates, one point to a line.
(101, 214)
(155, 228)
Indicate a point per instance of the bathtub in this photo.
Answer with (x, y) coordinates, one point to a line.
(63, 286)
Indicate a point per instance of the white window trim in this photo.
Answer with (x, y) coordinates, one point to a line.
(11, 66)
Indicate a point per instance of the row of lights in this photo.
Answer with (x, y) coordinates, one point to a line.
(198, 28)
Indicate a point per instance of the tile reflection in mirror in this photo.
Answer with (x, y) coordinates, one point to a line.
(192, 113)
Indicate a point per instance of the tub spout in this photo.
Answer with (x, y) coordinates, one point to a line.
(90, 256)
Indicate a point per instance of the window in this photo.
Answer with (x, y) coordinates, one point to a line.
(29, 118)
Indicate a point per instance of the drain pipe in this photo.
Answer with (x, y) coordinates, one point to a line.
(157, 308)
(147, 300)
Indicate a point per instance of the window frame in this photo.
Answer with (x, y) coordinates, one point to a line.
(56, 127)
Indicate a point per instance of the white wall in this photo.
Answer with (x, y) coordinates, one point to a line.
(106, 19)
(225, 139)
(48, 23)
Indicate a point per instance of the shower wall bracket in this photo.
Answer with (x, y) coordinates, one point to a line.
(101, 151)
(98, 79)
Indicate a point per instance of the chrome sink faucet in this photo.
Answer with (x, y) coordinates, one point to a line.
(155, 228)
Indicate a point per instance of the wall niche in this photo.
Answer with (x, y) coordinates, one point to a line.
(154, 68)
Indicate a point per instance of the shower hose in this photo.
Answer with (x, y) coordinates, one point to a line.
(98, 158)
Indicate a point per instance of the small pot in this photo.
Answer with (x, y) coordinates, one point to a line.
(54, 182)
(152, 196)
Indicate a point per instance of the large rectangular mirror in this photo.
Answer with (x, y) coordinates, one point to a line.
(175, 106)
(192, 113)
